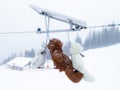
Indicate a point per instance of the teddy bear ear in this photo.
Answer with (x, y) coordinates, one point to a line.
(50, 40)
(59, 43)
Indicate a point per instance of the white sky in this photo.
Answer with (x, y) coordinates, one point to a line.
(18, 16)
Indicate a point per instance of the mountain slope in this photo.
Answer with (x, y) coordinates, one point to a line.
(102, 63)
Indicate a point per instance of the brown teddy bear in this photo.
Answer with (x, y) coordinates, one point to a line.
(62, 61)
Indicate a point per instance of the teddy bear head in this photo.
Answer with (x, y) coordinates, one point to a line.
(76, 48)
(55, 44)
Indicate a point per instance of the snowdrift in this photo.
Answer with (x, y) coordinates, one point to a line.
(103, 63)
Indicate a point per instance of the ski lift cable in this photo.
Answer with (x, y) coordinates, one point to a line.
(29, 32)
(100, 26)
(21, 32)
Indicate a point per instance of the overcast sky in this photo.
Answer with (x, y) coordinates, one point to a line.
(16, 15)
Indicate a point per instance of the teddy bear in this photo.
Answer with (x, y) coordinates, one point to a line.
(62, 61)
(78, 62)
(39, 60)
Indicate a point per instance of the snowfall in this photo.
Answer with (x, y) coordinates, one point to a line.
(103, 63)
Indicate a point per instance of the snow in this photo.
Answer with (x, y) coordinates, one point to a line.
(103, 63)
(19, 61)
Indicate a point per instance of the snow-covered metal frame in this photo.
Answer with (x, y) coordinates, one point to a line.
(78, 24)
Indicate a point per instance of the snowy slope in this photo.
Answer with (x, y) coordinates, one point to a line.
(103, 63)
(24, 62)
(19, 61)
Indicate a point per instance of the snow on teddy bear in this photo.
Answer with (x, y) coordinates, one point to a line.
(78, 62)
(39, 60)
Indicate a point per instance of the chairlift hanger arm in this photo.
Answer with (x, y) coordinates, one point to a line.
(60, 17)
(57, 31)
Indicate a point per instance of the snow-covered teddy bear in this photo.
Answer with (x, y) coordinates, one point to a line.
(78, 62)
(39, 60)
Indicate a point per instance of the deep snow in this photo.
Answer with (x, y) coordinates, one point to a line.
(103, 63)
